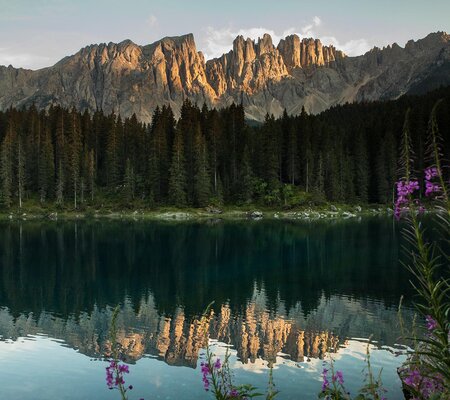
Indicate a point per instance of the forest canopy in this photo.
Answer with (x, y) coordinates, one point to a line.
(348, 154)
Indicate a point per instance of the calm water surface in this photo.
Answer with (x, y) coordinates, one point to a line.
(284, 292)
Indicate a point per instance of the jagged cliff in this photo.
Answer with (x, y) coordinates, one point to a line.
(126, 78)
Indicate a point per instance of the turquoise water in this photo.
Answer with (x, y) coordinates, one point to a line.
(284, 293)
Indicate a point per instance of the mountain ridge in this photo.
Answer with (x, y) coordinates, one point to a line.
(127, 78)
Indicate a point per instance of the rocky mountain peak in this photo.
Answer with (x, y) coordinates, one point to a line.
(265, 45)
(431, 41)
(127, 78)
(307, 52)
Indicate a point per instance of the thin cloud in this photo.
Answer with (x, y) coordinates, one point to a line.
(152, 21)
(308, 30)
(354, 47)
(219, 41)
(23, 60)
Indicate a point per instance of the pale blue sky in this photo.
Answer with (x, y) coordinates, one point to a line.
(37, 33)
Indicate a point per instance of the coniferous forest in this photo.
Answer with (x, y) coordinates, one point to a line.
(347, 154)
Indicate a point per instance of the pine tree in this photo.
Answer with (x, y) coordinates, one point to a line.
(320, 178)
(31, 139)
(271, 150)
(20, 170)
(406, 153)
(129, 182)
(60, 184)
(177, 177)
(246, 178)
(214, 141)
(91, 174)
(61, 153)
(292, 155)
(158, 158)
(75, 154)
(361, 168)
(6, 168)
(46, 171)
(202, 179)
(381, 174)
(112, 157)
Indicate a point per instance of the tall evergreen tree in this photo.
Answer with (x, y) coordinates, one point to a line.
(75, 154)
(177, 178)
(129, 182)
(292, 154)
(61, 154)
(60, 184)
(112, 156)
(91, 174)
(246, 178)
(46, 171)
(6, 167)
(20, 161)
(361, 167)
(202, 179)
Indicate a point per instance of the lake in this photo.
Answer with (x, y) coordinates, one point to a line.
(284, 293)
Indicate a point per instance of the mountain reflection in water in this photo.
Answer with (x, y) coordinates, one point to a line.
(280, 288)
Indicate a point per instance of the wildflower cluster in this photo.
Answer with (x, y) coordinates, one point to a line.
(418, 376)
(216, 374)
(207, 372)
(216, 377)
(333, 384)
(335, 389)
(405, 191)
(422, 383)
(426, 373)
(115, 370)
(114, 375)
(431, 188)
(431, 323)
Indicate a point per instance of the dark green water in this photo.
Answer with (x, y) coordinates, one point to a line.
(284, 292)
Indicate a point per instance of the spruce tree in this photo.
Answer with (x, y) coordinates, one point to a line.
(202, 179)
(361, 168)
(246, 178)
(46, 171)
(20, 157)
(129, 185)
(75, 154)
(60, 184)
(61, 154)
(213, 133)
(292, 155)
(91, 174)
(6, 168)
(177, 177)
(112, 157)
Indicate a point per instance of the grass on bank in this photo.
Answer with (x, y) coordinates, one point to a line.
(303, 204)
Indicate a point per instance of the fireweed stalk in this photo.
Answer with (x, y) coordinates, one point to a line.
(333, 383)
(426, 373)
(216, 373)
(115, 370)
(333, 387)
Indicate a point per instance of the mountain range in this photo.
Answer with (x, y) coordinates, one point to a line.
(127, 78)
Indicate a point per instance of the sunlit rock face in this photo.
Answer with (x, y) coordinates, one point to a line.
(256, 333)
(128, 79)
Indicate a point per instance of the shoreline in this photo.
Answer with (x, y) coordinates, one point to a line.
(331, 212)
